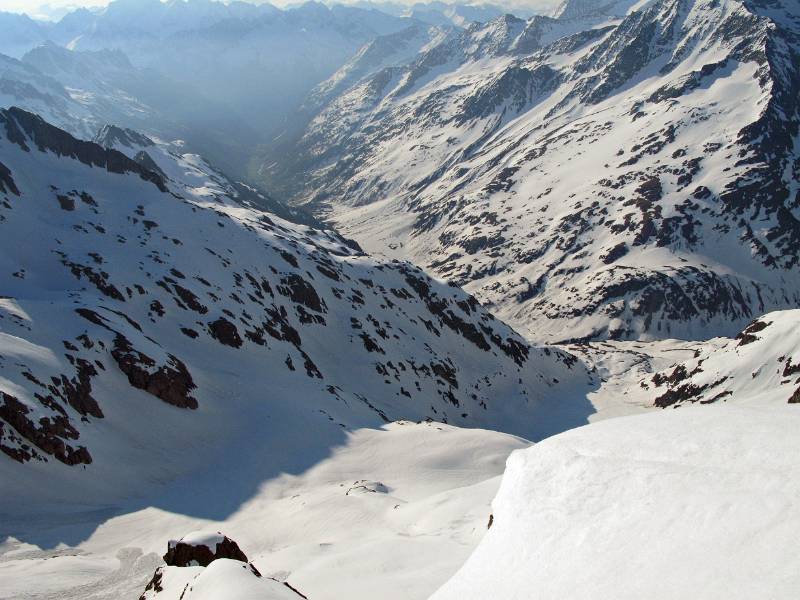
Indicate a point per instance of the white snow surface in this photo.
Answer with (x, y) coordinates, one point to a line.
(210, 539)
(700, 502)
(302, 528)
(225, 578)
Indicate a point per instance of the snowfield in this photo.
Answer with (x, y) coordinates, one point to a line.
(329, 531)
(223, 578)
(699, 502)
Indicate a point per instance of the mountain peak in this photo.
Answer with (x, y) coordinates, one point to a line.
(110, 136)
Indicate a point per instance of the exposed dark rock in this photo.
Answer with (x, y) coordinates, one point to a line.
(615, 253)
(188, 298)
(155, 583)
(689, 392)
(98, 278)
(171, 383)
(225, 332)
(180, 554)
(6, 181)
(78, 391)
(789, 369)
(748, 334)
(302, 292)
(66, 202)
(289, 258)
(48, 435)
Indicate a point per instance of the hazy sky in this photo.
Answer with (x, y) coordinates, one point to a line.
(32, 5)
(57, 8)
(45, 8)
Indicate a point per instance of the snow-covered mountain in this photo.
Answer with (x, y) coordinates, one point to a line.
(226, 75)
(282, 162)
(461, 15)
(20, 34)
(580, 9)
(101, 86)
(245, 55)
(379, 53)
(594, 177)
(189, 364)
(194, 171)
(146, 305)
(83, 91)
(23, 85)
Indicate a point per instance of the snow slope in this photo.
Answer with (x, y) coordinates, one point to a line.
(193, 171)
(136, 296)
(24, 85)
(145, 310)
(693, 503)
(322, 530)
(171, 357)
(760, 366)
(608, 177)
(223, 578)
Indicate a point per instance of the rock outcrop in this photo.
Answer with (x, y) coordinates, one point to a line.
(201, 549)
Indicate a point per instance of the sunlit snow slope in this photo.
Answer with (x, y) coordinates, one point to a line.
(593, 177)
(700, 502)
(396, 509)
(761, 365)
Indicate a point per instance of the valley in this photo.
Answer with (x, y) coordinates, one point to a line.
(400, 301)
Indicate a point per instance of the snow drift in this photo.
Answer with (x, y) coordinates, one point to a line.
(700, 502)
